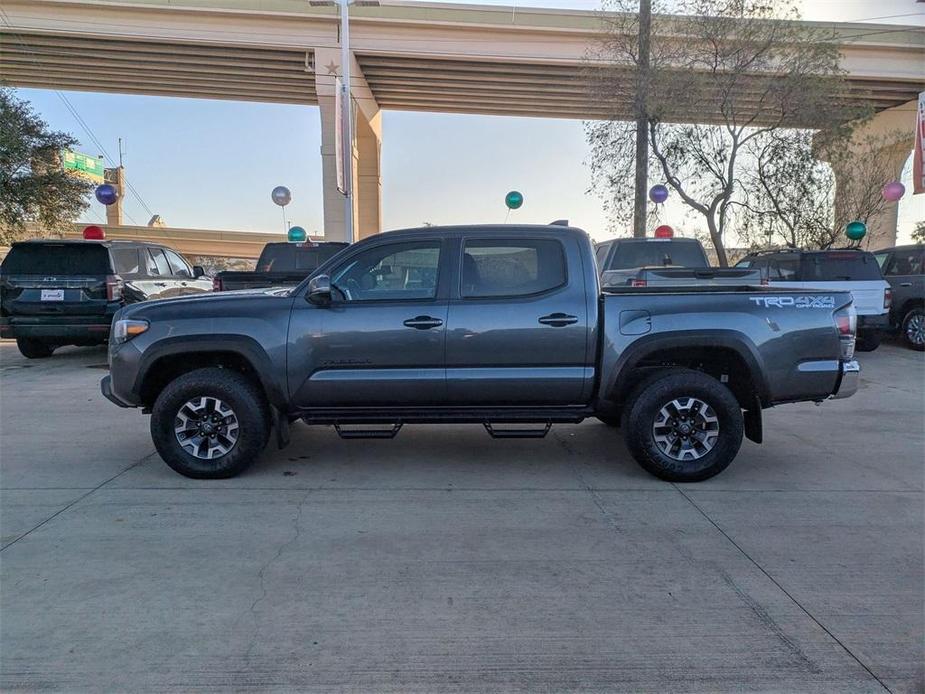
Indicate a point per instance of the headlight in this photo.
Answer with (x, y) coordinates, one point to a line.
(125, 330)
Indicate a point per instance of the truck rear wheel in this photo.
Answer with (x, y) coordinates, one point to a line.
(913, 328)
(32, 348)
(683, 425)
(210, 423)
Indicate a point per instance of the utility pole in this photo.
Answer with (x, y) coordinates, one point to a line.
(642, 121)
(347, 116)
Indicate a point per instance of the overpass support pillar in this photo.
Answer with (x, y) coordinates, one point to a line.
(367, 146)
(879, 149)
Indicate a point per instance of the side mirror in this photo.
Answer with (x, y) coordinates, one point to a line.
(198, 271)
(319, 290)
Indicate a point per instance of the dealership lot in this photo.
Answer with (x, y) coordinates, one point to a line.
(448, 560)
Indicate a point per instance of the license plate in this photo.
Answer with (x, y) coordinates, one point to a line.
(52, 295)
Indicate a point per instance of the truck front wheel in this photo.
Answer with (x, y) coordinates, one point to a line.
(210, 423)
(683, 425)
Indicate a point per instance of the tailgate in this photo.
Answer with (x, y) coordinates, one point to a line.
(868, 297)
(33, 295)
(707, 276)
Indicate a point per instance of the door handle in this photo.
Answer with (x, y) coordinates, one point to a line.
(558, 320)
(905, 284)
(423, 322)
(160, 284)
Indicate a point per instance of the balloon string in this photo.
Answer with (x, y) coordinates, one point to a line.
(285, 230)
(507, 215)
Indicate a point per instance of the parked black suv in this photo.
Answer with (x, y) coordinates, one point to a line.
(55, 293)
(904, 268)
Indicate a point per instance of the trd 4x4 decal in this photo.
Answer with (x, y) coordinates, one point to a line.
(797, 301)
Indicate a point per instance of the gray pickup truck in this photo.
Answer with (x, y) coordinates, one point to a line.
(504, 326)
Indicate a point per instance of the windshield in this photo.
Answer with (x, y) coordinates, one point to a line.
(57, 259)
(629, 254)
(287, 257)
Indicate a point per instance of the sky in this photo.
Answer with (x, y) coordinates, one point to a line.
(211, 164)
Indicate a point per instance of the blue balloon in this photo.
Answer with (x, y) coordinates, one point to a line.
(107, 194)
(658, 193)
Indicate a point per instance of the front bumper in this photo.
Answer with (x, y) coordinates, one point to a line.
(849, 381)
(106, 390)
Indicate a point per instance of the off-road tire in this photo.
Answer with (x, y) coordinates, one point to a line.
(32, 348)
(644, 405)
(244, 397)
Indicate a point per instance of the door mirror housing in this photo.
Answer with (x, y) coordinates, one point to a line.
(198, 271)
(319, 290)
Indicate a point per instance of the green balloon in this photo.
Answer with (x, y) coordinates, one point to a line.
(514, 200)
(297, 235)
(855, 230)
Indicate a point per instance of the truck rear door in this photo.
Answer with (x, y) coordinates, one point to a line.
(518, 324)
(56, 279)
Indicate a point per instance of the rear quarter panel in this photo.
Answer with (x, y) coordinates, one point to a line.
(784, 341)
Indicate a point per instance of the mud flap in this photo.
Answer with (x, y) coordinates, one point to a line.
(281, 425)
(753, 428)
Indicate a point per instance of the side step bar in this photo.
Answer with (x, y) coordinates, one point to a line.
(517, 433)
(367, 433)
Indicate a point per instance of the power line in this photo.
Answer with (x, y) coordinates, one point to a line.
(83, 124)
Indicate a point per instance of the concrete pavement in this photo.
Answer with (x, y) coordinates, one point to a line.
(446, 561)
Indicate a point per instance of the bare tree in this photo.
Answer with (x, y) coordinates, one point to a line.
(918, 234)
(742, 69)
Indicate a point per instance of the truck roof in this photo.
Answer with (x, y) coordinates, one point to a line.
(499, 229)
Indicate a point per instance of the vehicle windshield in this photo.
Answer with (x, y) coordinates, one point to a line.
(840, 265)
(57, 259)
(630, 254)
(292, 257)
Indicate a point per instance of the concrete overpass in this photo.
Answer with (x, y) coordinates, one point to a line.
(423, 57)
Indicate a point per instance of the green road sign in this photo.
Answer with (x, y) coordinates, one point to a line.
(83, 165)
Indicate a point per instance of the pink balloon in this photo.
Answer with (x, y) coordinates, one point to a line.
(893, 191)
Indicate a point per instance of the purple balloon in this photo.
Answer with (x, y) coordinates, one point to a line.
(107, 194)
(658, 193)
(893, 191)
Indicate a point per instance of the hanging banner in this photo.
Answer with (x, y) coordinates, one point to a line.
(918, 156)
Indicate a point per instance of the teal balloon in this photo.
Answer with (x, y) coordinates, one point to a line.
(855, 230)
(297, 235)
(514, 200)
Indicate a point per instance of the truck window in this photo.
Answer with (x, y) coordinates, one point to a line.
(178, 266)
(396, 272)
(126, 261)
(160, 266)
(905, 263)
(600, 254)
(645, 253)
(57, 259)
(836, 266)
(783, 269)
(512, 267)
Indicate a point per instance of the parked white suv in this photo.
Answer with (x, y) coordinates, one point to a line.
(847, 269)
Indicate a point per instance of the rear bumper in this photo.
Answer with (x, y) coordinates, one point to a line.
(874, 322)
(80, 328)
(849, 381)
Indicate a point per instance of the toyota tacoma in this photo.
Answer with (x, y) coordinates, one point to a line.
(504, 326)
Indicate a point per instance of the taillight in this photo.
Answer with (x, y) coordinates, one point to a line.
(114, 286)
(846, 320)
(887, 298)
(637, 283)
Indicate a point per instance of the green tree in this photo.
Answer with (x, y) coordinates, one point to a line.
(744, 69)
(33, 185)
(918, 234)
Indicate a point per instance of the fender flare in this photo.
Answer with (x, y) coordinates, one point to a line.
(732, 340)
(241, 345)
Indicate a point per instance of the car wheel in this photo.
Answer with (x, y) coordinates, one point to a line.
(683, 426)
(31, 348)
(867, 341)
(210, 423)
(611, 420)
(913, 328)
